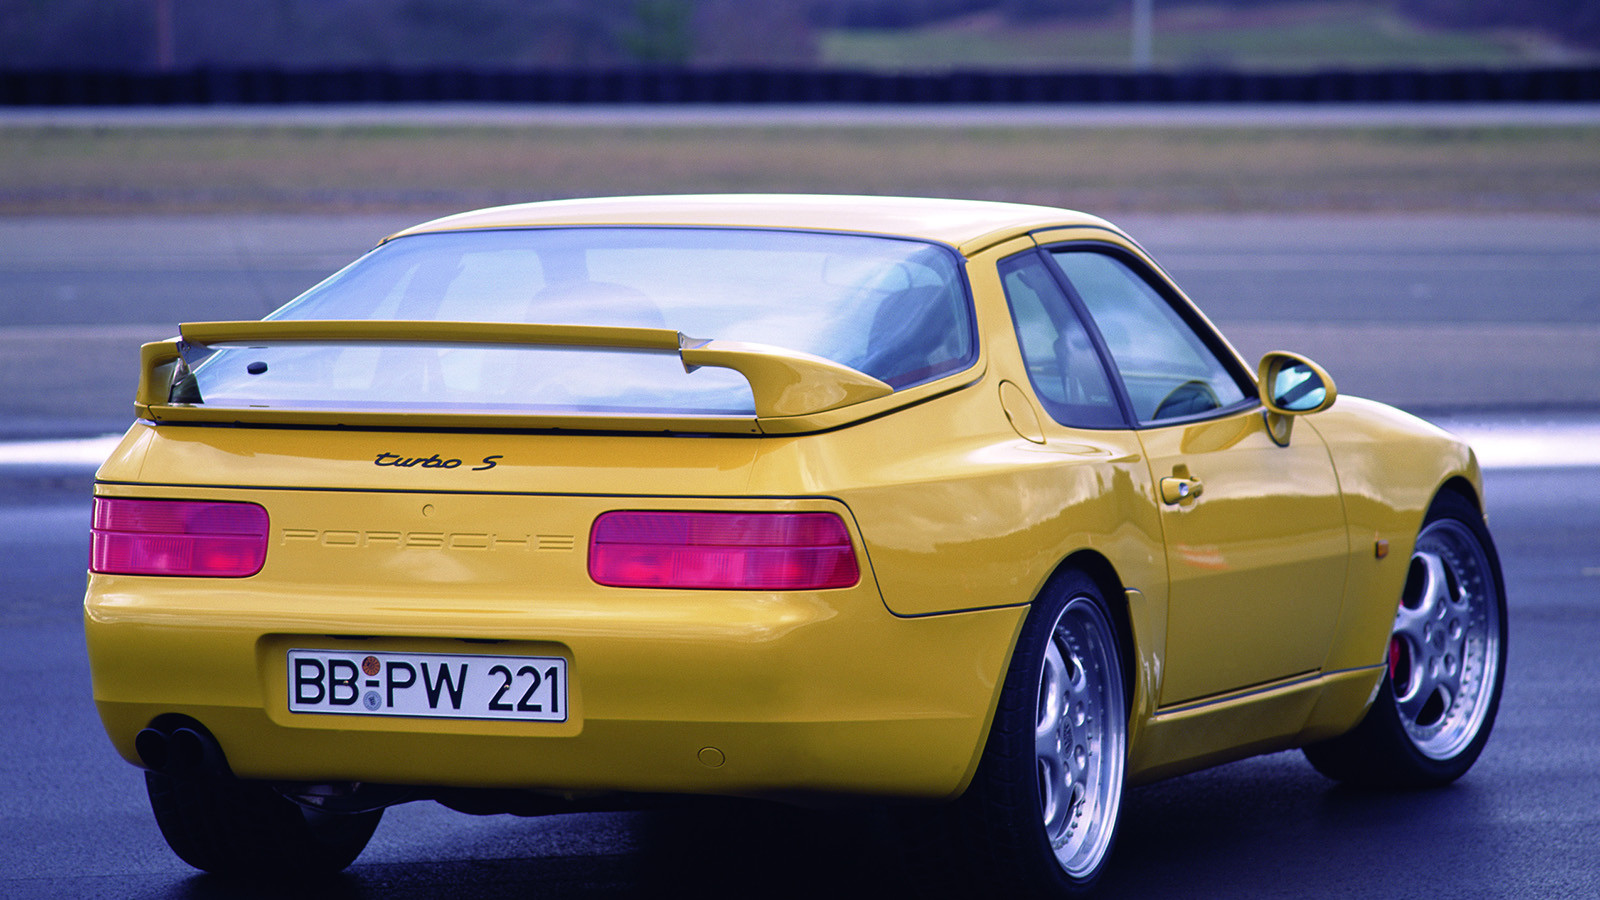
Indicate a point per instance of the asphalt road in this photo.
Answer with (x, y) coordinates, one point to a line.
(1430, 313)
(74, 822)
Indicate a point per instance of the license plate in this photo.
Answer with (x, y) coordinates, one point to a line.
(443, 685)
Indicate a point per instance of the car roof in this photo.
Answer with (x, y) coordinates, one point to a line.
(969, 225)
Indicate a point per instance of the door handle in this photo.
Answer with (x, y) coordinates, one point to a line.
(1177, 489)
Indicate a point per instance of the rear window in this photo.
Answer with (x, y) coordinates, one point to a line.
(895, 309)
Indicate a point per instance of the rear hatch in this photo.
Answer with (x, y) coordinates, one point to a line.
(462, 406)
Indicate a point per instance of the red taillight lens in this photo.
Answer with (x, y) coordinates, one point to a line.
(178, 537)
(722, 551)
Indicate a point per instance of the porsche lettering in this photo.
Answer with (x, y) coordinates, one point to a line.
(412, 540)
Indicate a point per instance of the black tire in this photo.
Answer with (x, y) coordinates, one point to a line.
(1447, 662)
(1043, 808)
(242, 828)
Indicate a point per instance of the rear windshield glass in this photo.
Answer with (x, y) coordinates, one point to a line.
(892, 308)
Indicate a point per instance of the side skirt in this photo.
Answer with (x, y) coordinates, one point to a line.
(1277, 716)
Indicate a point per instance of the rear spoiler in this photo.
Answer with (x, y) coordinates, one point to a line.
(785, 383)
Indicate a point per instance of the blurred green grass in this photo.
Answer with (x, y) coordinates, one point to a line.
(1284, 36)
(79, 170)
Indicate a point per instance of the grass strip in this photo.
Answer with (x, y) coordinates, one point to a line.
(423, 169)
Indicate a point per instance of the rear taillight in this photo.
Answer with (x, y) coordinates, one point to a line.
(178, 537)
(722, 551)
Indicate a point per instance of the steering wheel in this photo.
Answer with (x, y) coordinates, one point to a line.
(1191, 397)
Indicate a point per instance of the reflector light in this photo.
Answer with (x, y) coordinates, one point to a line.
(722, 551)
(177, 537)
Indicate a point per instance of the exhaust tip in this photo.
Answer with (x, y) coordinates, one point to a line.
(179, 746)
(187, 751)
(154, 748)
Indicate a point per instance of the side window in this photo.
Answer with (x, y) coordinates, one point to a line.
(1067, 375)
(1167, 370)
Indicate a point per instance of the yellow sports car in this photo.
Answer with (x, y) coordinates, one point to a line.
(767, 496)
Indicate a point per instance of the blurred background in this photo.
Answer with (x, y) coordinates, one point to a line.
(1408, 190)
(883, 35)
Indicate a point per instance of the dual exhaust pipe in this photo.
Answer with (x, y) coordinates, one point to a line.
(180, 750)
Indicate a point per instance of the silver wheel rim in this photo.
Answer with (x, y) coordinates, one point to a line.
(1080, 737)
(1444, 655)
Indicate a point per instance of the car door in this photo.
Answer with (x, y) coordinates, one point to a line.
(1255, 536)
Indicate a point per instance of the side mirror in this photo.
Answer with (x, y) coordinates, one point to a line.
(1291, 385)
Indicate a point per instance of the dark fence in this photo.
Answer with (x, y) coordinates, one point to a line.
(66, 87)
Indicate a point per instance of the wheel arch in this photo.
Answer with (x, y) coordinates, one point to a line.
(1468, 491)
(1458, 484)
(1100, 570)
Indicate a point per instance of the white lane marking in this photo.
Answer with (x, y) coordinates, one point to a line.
(1547, 445)
(65, 452)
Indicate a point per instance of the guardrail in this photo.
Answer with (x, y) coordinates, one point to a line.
(77, 87)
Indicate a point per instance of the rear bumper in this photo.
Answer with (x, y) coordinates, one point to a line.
(730, 693)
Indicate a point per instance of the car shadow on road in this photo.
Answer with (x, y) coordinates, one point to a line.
(1258, 828)
(1273, 827)
(710, 850)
